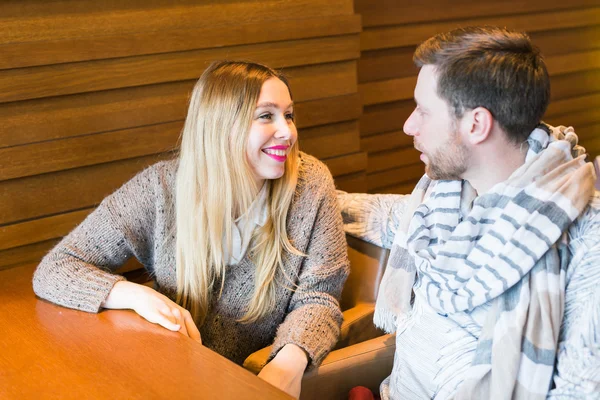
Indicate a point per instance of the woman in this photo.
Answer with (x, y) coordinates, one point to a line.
(242, 233)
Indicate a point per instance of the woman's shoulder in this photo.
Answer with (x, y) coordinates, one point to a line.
(160, 174)
(166, 171)
(163, 168)
(313, 170)
(153, 181)
(314, 180)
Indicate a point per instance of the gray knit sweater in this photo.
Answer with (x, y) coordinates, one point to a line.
(138, 220)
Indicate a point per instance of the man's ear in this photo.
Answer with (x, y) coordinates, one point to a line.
(477, 124)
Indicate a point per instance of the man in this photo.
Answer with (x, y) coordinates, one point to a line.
(499, 243)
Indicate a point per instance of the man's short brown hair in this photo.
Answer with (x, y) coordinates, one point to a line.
(490, 67)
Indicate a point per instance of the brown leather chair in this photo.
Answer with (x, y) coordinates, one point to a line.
(370, 358)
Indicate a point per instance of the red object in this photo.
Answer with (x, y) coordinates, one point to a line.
(360, 393)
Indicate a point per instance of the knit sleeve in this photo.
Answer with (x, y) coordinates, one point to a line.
(577, 373)
(314, 316)
(78, 272)
(372, 217)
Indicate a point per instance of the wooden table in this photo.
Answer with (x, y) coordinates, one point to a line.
(51, 352)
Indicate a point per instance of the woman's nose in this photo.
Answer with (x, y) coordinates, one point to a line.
(284, 130)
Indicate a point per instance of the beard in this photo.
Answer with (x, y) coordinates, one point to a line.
(449, 161)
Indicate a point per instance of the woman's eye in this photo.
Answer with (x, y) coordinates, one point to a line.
(290, 116)
(265, 116)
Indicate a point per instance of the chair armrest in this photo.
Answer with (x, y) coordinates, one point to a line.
(256, 361)
(358, 325)
(364, 364)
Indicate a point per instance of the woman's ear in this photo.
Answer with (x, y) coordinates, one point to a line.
(478, 124)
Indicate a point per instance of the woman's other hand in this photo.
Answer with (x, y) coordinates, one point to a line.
(153, 306)
(285, 371)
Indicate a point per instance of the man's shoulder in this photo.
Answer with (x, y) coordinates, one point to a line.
(593, 208)
(584, 246)
(587, 225)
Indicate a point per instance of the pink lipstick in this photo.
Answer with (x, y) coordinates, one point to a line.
(277, 153)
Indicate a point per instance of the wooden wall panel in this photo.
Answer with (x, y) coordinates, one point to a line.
(396, 12)
(87, 76)
(38, 20)
(27, 254)
(63, 191)
(567, 34)
(60, 50)
(91, 92)
(82, 114)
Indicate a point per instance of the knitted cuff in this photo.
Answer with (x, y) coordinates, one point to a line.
(83, 288)
(311, 327)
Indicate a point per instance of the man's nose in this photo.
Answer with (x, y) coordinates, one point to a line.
(410, 125)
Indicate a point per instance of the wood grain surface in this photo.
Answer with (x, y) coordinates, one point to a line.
(50, 352)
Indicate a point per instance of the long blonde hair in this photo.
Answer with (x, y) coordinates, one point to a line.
(215, 185)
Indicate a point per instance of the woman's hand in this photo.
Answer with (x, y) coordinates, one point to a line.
(152, 306)
(285, 371)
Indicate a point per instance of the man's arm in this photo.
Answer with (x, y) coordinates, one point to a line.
(577, 374)
(372, 217)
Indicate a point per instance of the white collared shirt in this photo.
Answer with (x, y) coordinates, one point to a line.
(244, 227)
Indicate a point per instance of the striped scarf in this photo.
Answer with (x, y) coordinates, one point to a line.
(507, 247)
